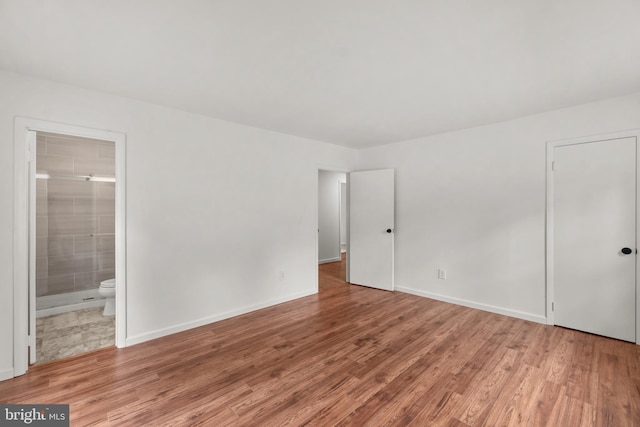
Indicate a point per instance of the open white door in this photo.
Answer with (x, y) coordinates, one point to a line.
(31, 143)
(371, 228)
(594, 239)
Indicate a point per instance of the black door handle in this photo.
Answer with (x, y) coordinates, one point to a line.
(626, 251)
(389, 230)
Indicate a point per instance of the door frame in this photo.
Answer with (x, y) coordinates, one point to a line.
(549, 226)
(340, 208)
(345, 171)
(21, 227)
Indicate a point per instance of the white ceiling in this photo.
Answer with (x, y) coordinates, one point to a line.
(352, 72)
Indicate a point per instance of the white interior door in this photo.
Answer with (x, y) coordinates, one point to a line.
(371, 228)
(594, 237)
(31, 143)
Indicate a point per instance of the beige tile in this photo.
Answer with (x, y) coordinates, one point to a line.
(60, 205)
(92, 279)
(65, 265)
(72, 225)
(90, 263)
(60, 246)
(107, 243)
(60, 284)
(60, 187)
(42, 246)
(85, 244)
(107, 261)
(63, 321)
(86, 280)
(42, 287)
(104, 275)
(41, 197)
(74, 138)
(73, 147)
(84, 205)
(54, 165)
(42, 226)
(106, 190)
(107, 150)
(60, 147)
(107, 224)
(106, 207)
(59, 266)
(98, 167)
(93, 206)
(42, 268)
(41, 144)
(72, 333)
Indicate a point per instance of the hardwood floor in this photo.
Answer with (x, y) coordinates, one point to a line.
(350, 356)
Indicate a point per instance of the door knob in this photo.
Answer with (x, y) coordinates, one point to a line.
(626, 251)
(389, 230)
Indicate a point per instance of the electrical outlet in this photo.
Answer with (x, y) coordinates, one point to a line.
(442, 273)
(281, 275)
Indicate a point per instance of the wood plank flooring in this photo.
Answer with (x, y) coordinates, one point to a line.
(350, 356)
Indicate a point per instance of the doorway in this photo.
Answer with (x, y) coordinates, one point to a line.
(368, 208)
(74, 247)
(592, 234)
(332, 217)
(64, 257)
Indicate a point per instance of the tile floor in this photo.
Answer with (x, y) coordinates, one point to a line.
(75, 332)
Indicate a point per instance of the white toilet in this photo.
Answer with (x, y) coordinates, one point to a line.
(108, 290)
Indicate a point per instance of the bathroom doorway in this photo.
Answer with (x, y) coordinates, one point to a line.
(74, 244)
(332, 219)
(69, 239)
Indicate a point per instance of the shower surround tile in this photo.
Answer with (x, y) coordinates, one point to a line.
(60, 205)
(106, 151)
(60, 246)
(107, 224)
(72, 147)
(72, 213)
(97, 167)
(72, 225)
(85, 244)
(106, 190)
(59, 187)
(58, 284)
(92, 206)
(42, 226)
(54, 165)
(107, 244)
(42, 205)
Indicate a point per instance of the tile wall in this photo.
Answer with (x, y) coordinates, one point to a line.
(75, 219)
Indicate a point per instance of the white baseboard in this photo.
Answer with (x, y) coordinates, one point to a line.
(137, 339)
(6, 375)
(325, 261)
(471, 304)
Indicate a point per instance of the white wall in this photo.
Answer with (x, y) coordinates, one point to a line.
(329, 215)
(221, 218)
(473, 202)
(217, 212)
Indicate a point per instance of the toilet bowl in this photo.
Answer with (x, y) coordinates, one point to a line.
(108, 290)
